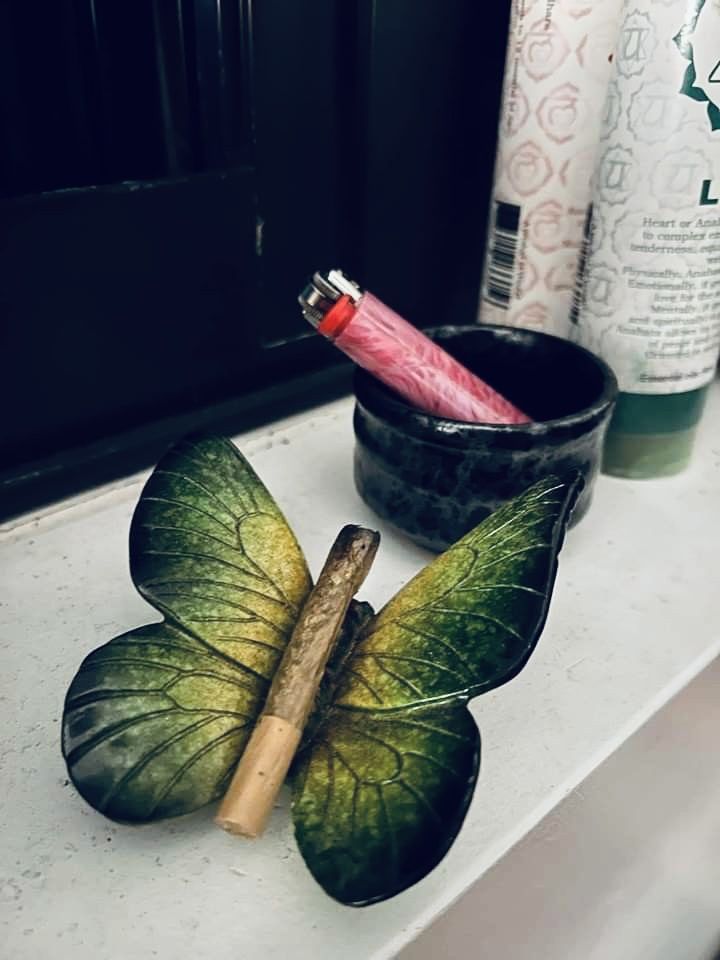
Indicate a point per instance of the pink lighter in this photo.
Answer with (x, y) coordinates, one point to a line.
(400, 355)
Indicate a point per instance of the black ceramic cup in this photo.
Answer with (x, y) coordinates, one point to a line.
(435, 479)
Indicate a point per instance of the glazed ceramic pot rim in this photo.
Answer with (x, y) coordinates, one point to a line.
(378, 399)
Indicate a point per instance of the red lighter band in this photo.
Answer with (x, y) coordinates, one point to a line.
(337, 317)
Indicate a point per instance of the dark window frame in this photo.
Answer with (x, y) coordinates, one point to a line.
(341, 137)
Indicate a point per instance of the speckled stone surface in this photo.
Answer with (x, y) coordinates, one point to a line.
(634, 617)
(435, 479)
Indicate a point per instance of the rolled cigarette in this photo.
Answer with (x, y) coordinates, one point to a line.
(270, 750)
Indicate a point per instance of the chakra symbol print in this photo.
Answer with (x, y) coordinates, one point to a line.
(697, 42)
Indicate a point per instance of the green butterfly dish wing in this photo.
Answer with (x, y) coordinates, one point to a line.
(381, 791)
(155, 721)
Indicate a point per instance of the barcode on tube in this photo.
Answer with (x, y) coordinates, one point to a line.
(579, 291)
(503, 251)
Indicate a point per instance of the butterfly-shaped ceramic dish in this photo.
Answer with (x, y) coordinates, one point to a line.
(156, 720)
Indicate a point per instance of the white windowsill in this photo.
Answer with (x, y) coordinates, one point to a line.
(635, 617)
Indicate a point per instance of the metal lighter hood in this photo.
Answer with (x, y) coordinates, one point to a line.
(324, 290)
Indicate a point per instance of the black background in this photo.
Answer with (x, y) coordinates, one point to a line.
(171, 173)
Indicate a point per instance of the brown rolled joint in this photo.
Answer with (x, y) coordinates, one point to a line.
(272, 745)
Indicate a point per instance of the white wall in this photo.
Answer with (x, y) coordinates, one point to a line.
(627, 868)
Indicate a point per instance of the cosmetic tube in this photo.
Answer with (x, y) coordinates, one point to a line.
(648, 301)
(556, 75)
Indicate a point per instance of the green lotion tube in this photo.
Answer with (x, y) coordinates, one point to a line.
(652, 435)
(648, 300)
